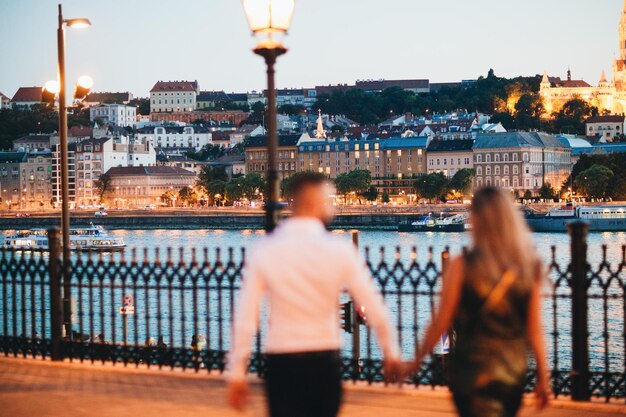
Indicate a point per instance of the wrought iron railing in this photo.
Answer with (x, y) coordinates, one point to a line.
(182, 310)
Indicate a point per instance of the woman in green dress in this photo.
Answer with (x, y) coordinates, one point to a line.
(491, 298)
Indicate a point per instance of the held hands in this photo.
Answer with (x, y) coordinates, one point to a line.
(392, 370)
(238, 394)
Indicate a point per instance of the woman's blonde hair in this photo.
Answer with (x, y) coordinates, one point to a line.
(502, 240)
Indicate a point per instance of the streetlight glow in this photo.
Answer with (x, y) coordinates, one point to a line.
(78, 23)
(52, 86)
(85, 81)
(269, 16)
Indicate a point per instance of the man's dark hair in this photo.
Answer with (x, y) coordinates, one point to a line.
(300, 180)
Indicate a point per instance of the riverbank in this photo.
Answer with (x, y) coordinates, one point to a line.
(227, 221)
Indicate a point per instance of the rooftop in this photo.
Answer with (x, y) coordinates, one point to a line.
(27, 94)
(517, 139)
(106, 96)
(609, 118)
(148, 170)
(283, 140)
(12, 157)
(33, 138)
(457, 145)
(174, 86)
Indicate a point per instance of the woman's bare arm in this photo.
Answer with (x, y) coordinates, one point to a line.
(450, 296)
(537, 342)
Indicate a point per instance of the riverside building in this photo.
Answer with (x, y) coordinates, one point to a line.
(521, 160)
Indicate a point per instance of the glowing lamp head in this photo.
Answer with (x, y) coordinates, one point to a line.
(78, 23)
(83, 85)
(269, 15)
(49, 91)
(52, 86)
(269, 19)
(85, 81)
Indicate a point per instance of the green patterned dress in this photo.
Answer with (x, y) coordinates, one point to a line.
(489, 361)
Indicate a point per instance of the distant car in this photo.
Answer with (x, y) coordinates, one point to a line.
(100, 213)
(149, 207)
(22, 215)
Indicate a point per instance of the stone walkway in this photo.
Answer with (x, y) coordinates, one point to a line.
(38, 388)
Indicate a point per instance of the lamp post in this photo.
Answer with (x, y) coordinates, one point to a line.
(77, 23)
(269, 20)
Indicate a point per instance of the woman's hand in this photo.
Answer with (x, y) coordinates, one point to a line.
(238, 394)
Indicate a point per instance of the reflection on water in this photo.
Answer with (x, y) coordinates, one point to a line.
(212, 239)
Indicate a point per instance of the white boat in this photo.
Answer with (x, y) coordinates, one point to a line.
(81, 238)
(599, 218)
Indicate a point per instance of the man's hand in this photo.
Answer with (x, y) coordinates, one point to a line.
(392, 370)
(237, 394)
(542, 393)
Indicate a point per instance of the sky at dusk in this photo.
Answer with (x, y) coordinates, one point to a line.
(134, 43)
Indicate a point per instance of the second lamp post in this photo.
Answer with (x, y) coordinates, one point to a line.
(269, 21)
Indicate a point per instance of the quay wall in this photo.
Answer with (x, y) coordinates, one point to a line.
(384, 221)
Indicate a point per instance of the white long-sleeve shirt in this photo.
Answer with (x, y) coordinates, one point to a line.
(303, 269)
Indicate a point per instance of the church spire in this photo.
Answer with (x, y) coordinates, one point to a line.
(319, 133)
(569, 72)
(546, 79)
(603, 76)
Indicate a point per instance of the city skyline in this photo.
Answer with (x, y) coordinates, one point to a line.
(133, 45)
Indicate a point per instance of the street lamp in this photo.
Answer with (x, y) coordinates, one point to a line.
(78, 23)
(269, 20)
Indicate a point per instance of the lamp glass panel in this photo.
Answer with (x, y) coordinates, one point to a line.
(269, 15)
(281, 12)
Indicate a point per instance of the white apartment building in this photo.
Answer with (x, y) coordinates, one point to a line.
(173, 96)
(175, 136)
(96, 156)
(606, 127)
(520, 160)
(116, 114)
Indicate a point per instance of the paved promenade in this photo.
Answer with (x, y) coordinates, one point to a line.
(38, 388)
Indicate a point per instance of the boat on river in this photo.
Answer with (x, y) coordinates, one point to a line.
(599, 218)
(81, 238)
(428, 223)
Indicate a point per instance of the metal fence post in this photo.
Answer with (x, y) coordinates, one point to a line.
(56, 306)
(445, 259)
(580, 332)
(356, 327)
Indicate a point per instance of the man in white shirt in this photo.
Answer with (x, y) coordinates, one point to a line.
(302, 269)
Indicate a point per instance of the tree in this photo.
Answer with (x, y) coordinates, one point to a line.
(209, 152)
(528, 111)
(103, 185)
(187, 195)
(357, 182)
(430, 186)
(371, 194)
(385, 198)
(461, 181)
(547, 192)
(290, 109)
(571, 118)
(168, 198)
(257, 114)
(253, 185)
(208, 174)
(215, 190)
(233, 190)
(528, 195)
(594, 181)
